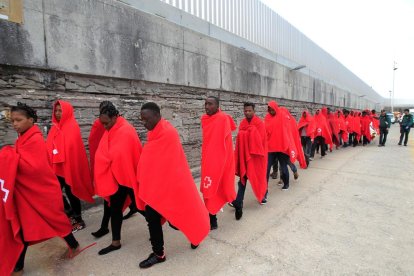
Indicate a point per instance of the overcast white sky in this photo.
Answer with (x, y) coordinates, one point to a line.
(364, 35)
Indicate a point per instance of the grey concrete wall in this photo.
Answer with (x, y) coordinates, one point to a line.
(108, 39)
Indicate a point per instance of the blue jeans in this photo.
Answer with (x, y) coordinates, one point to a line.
(238, 203)
(283, 159)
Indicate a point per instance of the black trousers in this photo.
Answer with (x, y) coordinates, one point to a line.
(75, 204)
(350, 138)
(107, 210)
(238, 203)
(365, 140)
(404, 133)
(117, 201)
(319, 140)
(383, 135)
(70, 240)
(306, 145)
(155, 230)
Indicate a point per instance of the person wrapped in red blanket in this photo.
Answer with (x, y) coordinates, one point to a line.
(116, 161)
(171, 195)
(217, 159)
(283, 142)
(322, 134)
(306, 128)
(343, 129)
(31, 207)
(349, 121)
(357, 128)
(97, 131)
(69, 160)
(366, 128)
(251, 157)
(333, 123)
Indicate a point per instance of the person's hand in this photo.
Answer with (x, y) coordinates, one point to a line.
(387, 129)
(407, 127)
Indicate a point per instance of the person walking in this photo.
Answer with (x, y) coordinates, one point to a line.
(405, 126)
(384, 126)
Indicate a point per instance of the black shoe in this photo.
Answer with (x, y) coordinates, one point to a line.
(399, 144)
(109, 249)
(405, 145)
(100, 233)
(264, 201)
(285, 188)
(130, 214)
(239, 213)
(152, 260)
(213, 226)
(194, 246)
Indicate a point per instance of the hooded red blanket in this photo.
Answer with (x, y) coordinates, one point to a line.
(322, 128)
(67, 153)
(173, 192)
(334, 126)
(349, 121)
(365, 127)
(282, 134)
(97, 131)
(116, 158)
(251, 155)
(343, 128)
(308, 122)
(217, 161)
(357, 125)
(34, 206)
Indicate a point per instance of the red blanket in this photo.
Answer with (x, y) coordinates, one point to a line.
(334, 126)
(173, 192)
(307, 122)
(217, 161)
(116, 158)
(349, 121)
(282, 134)
(251, 155)
(357, 125)
(322, 128)
(97, 131)
(365, 127)
(10, 237)
(68, 154)
(34, 204)
(343, 128)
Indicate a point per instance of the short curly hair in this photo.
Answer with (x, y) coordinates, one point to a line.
(28, 111)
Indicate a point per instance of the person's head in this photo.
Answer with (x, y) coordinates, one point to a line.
(406, 111)
(373, 112)
(58, 111)
(346, 112)
(383, 112)
(103, 104)
(23, 117)
(317, 111)
(150, 115)
(304, 114)
(272, 108)
(248, 109)
(211, 105)
(364, 113)
(328, 110)
(108, 115)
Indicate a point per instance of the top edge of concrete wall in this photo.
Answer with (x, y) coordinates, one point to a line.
(110, 39)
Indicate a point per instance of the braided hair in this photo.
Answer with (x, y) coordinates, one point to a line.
(26, 110)
(109, 110)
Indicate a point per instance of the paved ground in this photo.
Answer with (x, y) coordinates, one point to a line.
(350, 213)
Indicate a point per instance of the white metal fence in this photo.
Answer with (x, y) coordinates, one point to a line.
(256, 22)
